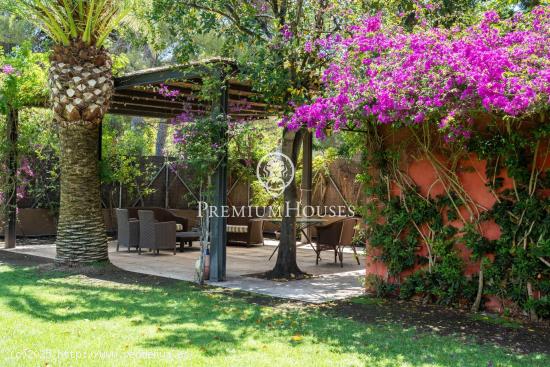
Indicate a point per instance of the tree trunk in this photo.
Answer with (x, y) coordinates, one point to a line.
(477, 302)
(162, 132)
(81, 234)
(81, 87)
(286, 266)
(11, 184)
(532, 313)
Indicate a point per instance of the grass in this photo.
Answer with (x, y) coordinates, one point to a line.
(50, 318)
(496, 320)
(367, 300)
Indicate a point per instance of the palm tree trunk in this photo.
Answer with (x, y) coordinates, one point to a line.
(81, 234)
(81, 86)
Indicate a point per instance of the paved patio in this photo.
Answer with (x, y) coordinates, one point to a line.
(330, 281)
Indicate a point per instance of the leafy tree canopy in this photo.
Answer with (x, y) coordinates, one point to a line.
(23, 76)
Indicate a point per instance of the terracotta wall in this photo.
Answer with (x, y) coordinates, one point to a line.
(472, 176)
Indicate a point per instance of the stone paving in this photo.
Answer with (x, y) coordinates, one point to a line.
(329, 282)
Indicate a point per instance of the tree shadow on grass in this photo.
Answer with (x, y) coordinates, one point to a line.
(75, 298)
(215, 323)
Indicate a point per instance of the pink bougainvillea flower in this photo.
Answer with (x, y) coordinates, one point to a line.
(286, 33)
(167, 92)
(384, 74)
(8, 69)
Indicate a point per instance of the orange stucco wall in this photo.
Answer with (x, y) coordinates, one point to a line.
(472, 177)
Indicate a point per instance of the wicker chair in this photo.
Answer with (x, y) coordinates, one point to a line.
(127, 230)
(155, 235)
(161, 215)
(335, 236)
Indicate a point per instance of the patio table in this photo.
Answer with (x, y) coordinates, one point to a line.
(189, 236)
(301, 224)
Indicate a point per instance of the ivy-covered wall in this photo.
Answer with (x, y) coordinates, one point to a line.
(465, 225)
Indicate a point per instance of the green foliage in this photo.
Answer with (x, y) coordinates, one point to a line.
(540, 306)
(22, 84)
(203, 148)
(120, 64)
(38, 145)
(123, 149)
(396, 238)
(27, 85)
(15, 31)
(380, 286)
(266, 38)
(248, 144)
(38, 156)
(476, 242)
(66, 20)
(522, 213)
(409, 13)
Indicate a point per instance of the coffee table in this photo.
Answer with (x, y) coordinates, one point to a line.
(187, 237)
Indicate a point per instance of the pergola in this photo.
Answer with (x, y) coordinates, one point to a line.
(137, 94)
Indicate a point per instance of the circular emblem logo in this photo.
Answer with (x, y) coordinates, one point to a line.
(275, 172)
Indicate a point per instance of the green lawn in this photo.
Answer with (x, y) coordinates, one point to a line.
(58, 319)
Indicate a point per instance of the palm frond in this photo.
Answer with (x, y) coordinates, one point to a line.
(90, 21)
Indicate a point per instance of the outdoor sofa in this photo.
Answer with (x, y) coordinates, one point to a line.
(245, 230)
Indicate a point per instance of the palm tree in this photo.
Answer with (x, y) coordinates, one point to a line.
(81, 86)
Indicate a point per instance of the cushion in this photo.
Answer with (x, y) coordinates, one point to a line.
(179, 227)
(233, 228)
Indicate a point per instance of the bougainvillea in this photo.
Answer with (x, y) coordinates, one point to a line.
(8, 69)
(193, 126)
(24, 175)
(386, 75)
(22, 84)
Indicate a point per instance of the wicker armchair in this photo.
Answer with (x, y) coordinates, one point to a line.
(127, 230)
(156, 235)
(335, 236)
(161, 215)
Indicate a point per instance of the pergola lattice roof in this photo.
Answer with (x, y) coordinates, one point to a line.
(137, 94)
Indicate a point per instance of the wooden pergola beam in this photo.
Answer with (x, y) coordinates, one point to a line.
(164, 74)
(151, 100)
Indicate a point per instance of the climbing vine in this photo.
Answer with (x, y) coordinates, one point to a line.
(522, 211)
(418, 235)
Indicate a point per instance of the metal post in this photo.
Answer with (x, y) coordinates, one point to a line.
(166, 183)
(307, 175)
(120, 195)
(100, 142)
(218, 223)
(11, 192)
